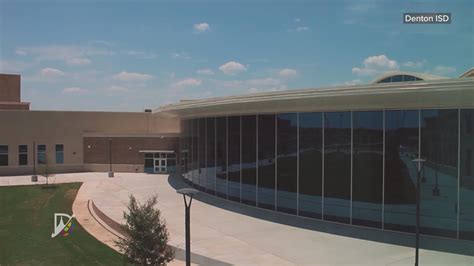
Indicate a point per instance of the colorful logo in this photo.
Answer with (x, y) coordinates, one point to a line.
(60, 227)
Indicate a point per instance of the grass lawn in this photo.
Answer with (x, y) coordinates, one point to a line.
(26, 224)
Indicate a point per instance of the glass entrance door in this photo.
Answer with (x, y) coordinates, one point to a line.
(160, 166)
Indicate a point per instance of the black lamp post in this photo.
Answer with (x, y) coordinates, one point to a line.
(111, 173)
(418, 164)
(190, 192)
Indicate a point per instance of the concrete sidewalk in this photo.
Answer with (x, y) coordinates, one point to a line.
(225, 233)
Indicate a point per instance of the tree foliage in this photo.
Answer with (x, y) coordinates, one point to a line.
(146, 236)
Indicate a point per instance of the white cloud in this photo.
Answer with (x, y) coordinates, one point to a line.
(63, 52)
(189, 82)
(302, 28)
(201, 27)
(50, 72)
(75, 90)
(131, 76)
(78, 61)
(287, 73)
(206, 71)
(374, 65)
(232, 68)
(415, 64)
(443, 70)
(181, 56)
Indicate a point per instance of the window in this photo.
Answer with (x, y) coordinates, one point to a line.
(221, 156)
(210, 154)
(149, 163)
(266, 162)
(234, 157)
(310, 163)
(41, 154)
(367, 169)
(23, 155)
(287, 148)
(202, 153)
(401, 147)
(337, 166)
(249, 159)
(195, 154)
(466, 202)
(3, 155)
(59, 153)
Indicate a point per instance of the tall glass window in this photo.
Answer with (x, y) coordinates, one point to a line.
(202, 153)
(41, 154)
(266, 161)
(211, 149)
(310, 164)
(3, 155)
(287, 149)
(466, 191)
(439, 186)
(367, 173)
(401, 148)
(59, 153)
(337, 166)
(221, 154)
(195, 152)
(234, 157)
(23, 154)
(249, 159)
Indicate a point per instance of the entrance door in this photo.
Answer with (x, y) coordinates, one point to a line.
(160, 165)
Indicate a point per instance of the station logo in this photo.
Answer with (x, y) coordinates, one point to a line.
(60, 227)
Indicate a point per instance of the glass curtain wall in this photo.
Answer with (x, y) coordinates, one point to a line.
(249, 159)
(350, 167)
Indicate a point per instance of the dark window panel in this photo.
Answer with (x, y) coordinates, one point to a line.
(397, 78)
(287, 137)
(439, 186)
(249, 159)
(367, 175)
(195, 145)
(310, 164)
(466, 192)
(266, 161)
(211, 167)
(401, 147)
(337, 166)
(221, 154)
(3, 155)
(202, 154)
(234, 158)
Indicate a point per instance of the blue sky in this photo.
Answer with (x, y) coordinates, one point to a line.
(131, 55)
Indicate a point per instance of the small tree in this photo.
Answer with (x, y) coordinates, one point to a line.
(146, 236)
(46, 171)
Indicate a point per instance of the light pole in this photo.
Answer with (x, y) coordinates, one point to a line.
(111, 174)
(418, 164)
(190, 192)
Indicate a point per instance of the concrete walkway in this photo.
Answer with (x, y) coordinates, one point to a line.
(225, 233)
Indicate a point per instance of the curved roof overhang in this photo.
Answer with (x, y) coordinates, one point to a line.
(447, 93)
(422, 76)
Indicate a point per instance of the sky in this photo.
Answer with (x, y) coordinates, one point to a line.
(131, 55)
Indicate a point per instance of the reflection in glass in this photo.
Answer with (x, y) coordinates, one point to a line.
(266, 161)
(234, 158)
(221, 154)
(401, 147)
(249, 159)
(310, 164)
(466, 191)
(195, 145)
(337, 166)
(367, 173)
(287, 139)
(210, 167)
(439, 186)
